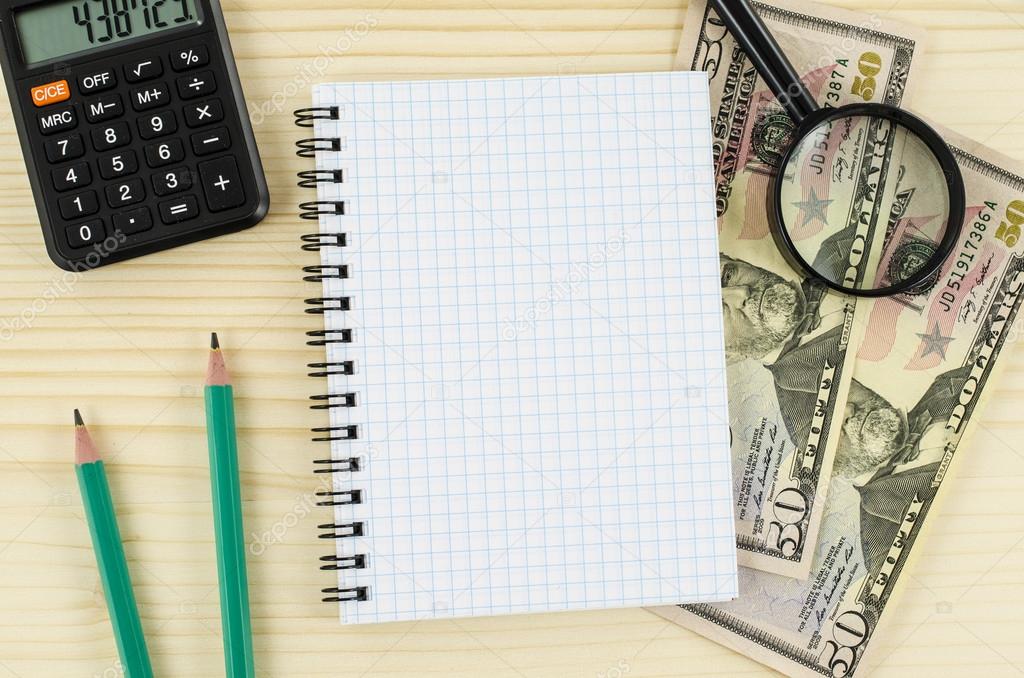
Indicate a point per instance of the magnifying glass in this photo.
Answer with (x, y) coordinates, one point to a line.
(867, 198)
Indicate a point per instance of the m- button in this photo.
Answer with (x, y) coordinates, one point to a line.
(51, 93)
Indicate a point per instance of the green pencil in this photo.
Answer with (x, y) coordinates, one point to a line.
(227, 518)
(106, 542)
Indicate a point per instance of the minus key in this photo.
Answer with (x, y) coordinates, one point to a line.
(211, 141)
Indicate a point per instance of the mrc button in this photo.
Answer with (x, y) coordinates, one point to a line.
(57, 120)
(51, 93)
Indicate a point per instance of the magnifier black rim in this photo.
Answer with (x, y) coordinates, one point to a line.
(947, 162)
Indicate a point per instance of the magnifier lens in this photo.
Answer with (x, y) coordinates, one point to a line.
(865, 202)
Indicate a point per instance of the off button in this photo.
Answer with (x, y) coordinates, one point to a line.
(97, 82)
(51, 93)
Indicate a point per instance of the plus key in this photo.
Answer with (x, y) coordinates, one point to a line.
(222, 185)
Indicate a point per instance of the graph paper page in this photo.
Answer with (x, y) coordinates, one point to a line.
(533, 290)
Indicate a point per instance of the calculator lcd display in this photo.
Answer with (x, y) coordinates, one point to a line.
(48, 30)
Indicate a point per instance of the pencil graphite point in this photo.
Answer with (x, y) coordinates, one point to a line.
(85, 450)
(216, 372)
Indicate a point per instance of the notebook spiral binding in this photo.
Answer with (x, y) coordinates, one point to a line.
(314, 242)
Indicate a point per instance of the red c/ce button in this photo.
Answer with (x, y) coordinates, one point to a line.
(51, 93)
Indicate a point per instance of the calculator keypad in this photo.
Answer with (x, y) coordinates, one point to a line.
(145, 147)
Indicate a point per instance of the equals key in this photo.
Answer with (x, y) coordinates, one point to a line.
(179, 209)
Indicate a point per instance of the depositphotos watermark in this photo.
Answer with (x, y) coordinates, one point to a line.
(59, 287)
(304, 505)
(312, 70)
(561, 290)
(619, 670)
(114, 671)
(869, 65)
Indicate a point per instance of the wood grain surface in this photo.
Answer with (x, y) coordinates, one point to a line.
(127, 344)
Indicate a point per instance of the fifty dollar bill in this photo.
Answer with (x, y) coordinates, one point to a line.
(925, 368)
(788, 342)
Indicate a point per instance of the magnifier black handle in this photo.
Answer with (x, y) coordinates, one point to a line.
(762, 49)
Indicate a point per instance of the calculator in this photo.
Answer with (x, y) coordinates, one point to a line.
(132, 124)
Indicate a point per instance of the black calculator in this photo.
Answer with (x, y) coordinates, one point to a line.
(132, 124)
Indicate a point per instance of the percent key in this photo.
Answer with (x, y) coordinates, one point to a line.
(192, 57)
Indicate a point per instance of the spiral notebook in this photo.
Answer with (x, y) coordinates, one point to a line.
(524, 364)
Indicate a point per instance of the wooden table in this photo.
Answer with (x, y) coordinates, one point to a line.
(127, 344)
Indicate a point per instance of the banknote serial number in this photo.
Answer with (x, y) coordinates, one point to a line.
(1008, 232)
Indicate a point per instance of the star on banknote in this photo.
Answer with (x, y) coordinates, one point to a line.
(813, 208)
(934, 342)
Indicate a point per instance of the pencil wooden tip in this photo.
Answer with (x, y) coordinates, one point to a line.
(216, 371)
(85, 449)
